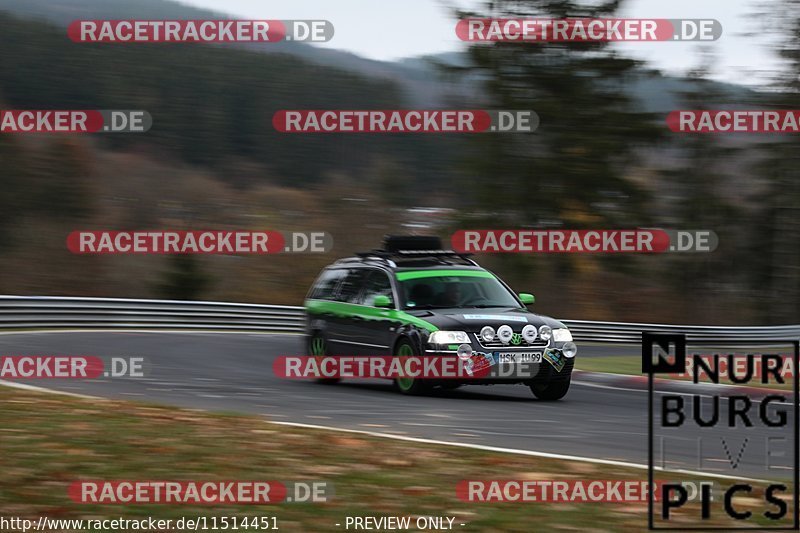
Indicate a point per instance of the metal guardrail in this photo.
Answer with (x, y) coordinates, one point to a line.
(631, 333)
(54, 312)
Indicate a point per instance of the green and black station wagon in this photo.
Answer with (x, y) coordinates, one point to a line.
(412, 298)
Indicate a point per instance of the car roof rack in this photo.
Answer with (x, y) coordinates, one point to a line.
(415, 250)
(366, 256)
(436, 258)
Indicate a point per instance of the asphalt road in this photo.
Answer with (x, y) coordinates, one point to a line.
(233, 373)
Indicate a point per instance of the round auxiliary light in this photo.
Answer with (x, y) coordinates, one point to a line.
(464, 352)
(504, 333)
(529, 333)
(487, 333)
(569, 349)
(545, 333)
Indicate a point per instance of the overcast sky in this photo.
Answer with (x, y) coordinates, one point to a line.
(385, 30)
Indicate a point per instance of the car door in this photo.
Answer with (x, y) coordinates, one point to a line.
(345, 335)
(374, 329)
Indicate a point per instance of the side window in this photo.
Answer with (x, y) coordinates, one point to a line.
(351, 286)
(377, 283)
(325, 286)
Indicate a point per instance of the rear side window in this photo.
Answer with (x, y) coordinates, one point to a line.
(351, 286)
(325, 286)
(377, 283)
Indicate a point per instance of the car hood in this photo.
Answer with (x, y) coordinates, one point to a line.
(472, 320)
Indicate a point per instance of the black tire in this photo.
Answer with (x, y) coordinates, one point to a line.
(550, 392)
(408, 386)
(318, 347)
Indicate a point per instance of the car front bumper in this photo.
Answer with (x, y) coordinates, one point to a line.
(508, 373)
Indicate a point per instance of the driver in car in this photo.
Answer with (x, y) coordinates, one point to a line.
(451, 297)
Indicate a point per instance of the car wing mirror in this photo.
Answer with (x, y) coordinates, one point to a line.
(526, 298)
(382, 301)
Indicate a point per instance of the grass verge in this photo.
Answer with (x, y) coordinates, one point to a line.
(48, 441)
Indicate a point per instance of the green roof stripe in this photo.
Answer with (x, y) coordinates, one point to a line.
(416, 274)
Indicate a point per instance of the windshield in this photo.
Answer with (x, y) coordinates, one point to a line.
(430, 290)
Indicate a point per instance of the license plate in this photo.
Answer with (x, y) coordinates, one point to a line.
(520, 357)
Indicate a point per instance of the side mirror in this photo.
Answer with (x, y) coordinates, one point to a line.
(382, 301)
(526, 298)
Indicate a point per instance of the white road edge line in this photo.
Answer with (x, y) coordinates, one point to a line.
(33, 388)
(419, 440)
(514, 451)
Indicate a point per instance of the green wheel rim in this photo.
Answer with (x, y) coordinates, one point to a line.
(405, 384)
(317, 346)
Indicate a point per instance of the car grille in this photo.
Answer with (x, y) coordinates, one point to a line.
(496, 344)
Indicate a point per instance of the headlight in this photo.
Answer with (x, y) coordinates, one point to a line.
(562, 335)
(447, 337)
(529, 333)
(504, 333)
(545, 332)
(487, 333)
(569, 349)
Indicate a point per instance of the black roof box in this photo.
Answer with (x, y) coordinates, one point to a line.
(399, 243)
